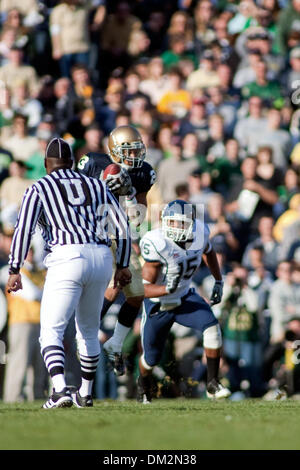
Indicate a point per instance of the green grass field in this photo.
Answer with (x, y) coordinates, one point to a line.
(163, 425)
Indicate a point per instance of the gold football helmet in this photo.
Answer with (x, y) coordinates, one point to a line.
(126, 147)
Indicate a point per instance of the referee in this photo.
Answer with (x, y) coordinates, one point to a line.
(74, 213)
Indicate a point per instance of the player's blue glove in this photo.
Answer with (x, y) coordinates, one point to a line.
(119, 183)
(217, 293)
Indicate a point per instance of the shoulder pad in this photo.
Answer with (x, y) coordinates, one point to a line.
(92, 164)
(146, 166)
(156, 237)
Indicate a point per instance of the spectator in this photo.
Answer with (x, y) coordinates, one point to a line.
(62, 103)
(243, 18)
(214, 146)
(35, 164)
(116, 35)
(287, 22)
(196, 120)
(284, 301)
(241, 332)
(200, 193)
(16, 69)
(93, 141)
(23, 6)
(13, 187)
(5, 160)
(266, 89)
(155, 29)
(154, 154)
(276, 138)
(181, 23)
(132, 91)
(205, 76)
(8, 38)
(21, 144)
(138, 45)
(6, 113)
(248, 127)
(292, 75)
(164, 140)
(289, 187)
(84, 101)
(283, 304)
(23, 102)
(230, 93)
(177, 101)
(14, 18)
(267, 242)
(219, 105)
(177, 51)
(138, 109)
(190, 146)
(23, 336)
(203, 17)
(69, 34)
(251, 198)
(156, 84)
(290, 216)
(260, 39)
(174, 171)
(246, 70)
(223, 234)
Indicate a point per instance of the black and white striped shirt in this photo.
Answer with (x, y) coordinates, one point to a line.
(70, 208)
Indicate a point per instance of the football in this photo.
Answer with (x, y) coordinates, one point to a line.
(112, 169)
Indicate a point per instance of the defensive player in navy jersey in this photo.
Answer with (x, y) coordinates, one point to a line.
(127, 149)
(172, 253)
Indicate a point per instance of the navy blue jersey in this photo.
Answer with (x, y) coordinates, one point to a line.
(93, 164)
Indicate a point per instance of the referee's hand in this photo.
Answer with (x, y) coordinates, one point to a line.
(14, 283)
(122, 278)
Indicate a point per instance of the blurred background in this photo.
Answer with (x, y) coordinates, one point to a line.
(214, 88)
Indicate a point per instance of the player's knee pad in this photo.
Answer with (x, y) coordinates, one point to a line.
(144, 363)
(212, 337)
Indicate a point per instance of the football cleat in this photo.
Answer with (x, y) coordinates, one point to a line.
(145, 388)
(61, 399)
(82, 402)
(216, 390)
(115, 358)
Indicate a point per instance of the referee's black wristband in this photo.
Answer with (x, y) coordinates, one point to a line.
(13, 270)
(121, 267)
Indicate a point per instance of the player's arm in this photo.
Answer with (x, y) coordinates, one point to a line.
(210, 259)
(141, 198)
(119, 221)
(27, 219)
(150, 274)
(55, 34)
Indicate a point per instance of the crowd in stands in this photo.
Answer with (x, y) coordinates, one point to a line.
(214, 88)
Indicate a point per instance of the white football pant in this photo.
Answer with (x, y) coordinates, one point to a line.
(77, 278)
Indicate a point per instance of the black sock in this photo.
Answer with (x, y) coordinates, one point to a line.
(127, 314)
(212, 368)
(106, 306)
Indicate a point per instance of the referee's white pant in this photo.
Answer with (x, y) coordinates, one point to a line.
(77, 278)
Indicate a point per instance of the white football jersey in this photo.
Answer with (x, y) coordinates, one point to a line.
(156, 247)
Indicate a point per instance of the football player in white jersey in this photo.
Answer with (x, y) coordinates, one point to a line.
(172, 253)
